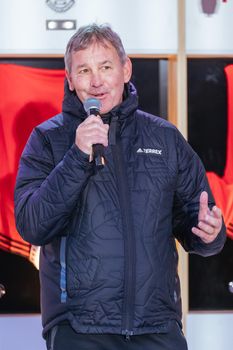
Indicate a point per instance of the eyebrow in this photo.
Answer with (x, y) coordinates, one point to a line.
(104, 62)
(79, 66)
(84, 65)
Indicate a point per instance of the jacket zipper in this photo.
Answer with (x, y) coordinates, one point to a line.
(129, 240)
(63, 270)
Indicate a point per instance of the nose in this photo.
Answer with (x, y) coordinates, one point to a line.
(96, 79)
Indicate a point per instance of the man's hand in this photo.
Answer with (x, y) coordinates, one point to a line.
(209, 221)
(90, 132)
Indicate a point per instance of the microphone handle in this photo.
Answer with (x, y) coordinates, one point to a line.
(98, 148)
(98, 151)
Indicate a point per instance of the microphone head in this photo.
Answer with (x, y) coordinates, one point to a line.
(91, 104)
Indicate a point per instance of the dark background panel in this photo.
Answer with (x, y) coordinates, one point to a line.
(207, 111)
(207, 126)
(18, 275)
(150, 78)
(21, 281)
(209, 278)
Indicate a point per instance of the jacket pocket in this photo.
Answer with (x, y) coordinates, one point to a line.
(85, 274)
(81, 272)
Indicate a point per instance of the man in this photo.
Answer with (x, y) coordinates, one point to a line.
(108, 265)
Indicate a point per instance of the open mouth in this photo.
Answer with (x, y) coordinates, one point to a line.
(99, 96)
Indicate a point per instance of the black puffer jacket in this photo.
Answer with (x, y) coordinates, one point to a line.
(108, 258)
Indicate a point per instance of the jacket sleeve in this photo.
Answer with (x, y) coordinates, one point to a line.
(45, 194)
(191, 181)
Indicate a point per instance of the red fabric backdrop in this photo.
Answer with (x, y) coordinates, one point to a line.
(28, 96)
(223, 187)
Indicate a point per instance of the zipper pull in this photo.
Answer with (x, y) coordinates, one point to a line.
(128, 334)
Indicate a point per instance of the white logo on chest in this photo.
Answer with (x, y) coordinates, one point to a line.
(149, 150)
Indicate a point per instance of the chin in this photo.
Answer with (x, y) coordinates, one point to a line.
(105, 110)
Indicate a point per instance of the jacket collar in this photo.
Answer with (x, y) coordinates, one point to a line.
(71, 104)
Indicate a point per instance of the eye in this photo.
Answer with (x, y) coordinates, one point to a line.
(106, 67)
(83, 71)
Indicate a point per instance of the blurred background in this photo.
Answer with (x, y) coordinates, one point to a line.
(182, 54)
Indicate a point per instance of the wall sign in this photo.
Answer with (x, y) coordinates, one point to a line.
(60, 5)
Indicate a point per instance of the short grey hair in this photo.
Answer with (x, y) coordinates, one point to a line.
(88, 34)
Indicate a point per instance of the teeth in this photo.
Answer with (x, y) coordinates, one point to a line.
(98, 95)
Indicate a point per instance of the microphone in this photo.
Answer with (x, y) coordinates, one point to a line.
(92, 106)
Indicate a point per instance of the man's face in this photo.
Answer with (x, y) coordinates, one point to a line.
(98, 72)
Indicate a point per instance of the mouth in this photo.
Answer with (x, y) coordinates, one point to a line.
(99, 96)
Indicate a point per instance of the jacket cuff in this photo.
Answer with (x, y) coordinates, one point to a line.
(81, 157)
(207, 249)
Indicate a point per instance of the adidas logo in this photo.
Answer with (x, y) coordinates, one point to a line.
(149, 150)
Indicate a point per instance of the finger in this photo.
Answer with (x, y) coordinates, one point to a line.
(207, 228)
(93, 128)
(203, 206)
(206, 238)
(85, 142)
(216, 212)
(204, 200)
(92, 118)
(215, 223)
(96, 134)
(214, 216)
(99, 139)
(95, 122)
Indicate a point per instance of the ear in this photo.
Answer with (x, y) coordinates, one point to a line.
(69, 79)
(127, 67)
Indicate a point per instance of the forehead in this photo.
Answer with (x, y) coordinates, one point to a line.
(95, 52)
